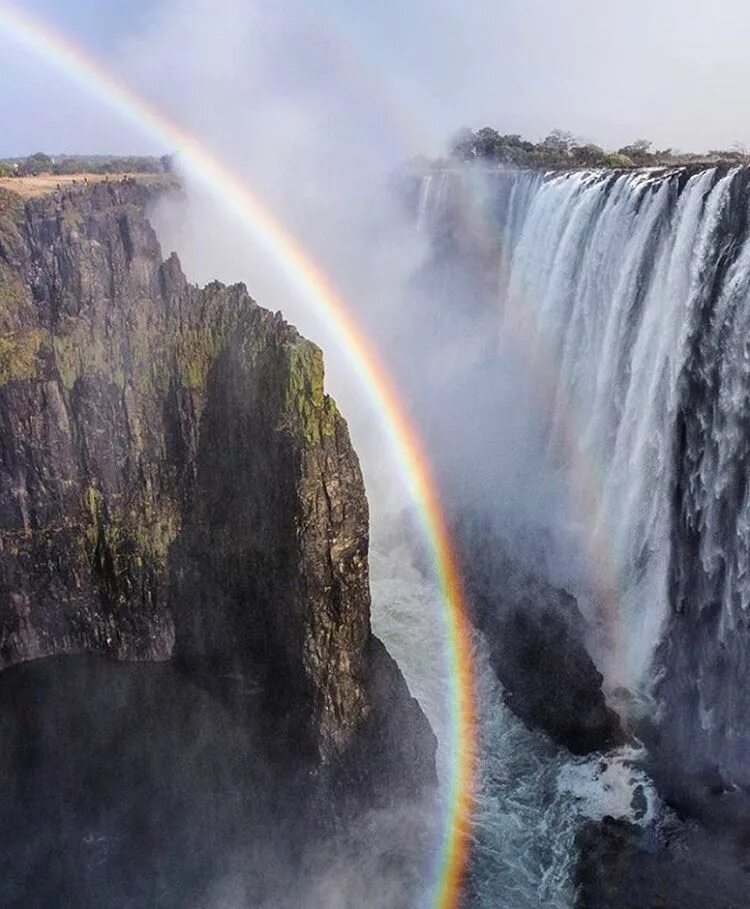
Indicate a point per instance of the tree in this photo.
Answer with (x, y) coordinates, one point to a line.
(560, 140)
(733, 155)
(588, 155)
(513, 140)
(488, 143)
(619, 161)
(639, 151)
(463, 145)
(35, 164)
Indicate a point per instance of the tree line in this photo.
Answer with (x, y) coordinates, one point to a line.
(41, 163)
(562, 149)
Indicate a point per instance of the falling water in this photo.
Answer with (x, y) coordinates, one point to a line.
(632, 290)
(610, 270)
(638, 286)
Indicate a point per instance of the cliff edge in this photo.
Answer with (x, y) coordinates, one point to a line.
(176, 487)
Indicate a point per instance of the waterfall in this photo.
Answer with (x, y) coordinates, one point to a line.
(610, 272)
(632, 291)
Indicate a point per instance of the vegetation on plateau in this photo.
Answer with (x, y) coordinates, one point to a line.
(561, 149)
(41, 163)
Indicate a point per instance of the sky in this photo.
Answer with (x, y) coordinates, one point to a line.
(675, 72)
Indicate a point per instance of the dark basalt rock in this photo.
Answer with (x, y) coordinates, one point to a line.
(128, 784)
(176, 486)
(681, 867)
(536, 639)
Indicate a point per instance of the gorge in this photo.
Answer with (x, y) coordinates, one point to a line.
(625, 294)
(193, 704)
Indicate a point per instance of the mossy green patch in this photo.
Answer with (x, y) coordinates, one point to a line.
(12, 208)
(92, 502)
(195, 352)
(79, 353)
(19, 355)
(12, 293)
(306, 400)
(132, 537)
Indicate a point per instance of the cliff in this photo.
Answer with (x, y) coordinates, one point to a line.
(535, 633)
(176, 487)
(677, 866)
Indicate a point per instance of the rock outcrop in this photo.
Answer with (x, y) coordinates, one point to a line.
(536, 641)
(675, 866)
(176, 486)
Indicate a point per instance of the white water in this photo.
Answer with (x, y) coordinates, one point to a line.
(605, 280)
(531, 797)
(610, 272)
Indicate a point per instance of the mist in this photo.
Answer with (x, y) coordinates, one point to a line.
(322, 111)
(325, 151)
(320, 146)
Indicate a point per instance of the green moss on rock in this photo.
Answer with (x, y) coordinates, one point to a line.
(196, 351)
(306, 403)
(12, 208)
(78, 354)
(19, 355)
(133, 537)
(12, 293)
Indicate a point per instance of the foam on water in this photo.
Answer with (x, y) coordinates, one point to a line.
(532, 797)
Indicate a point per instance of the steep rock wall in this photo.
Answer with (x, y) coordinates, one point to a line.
(174, 481)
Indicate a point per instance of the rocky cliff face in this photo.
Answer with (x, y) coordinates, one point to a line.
(175, 485)
(535, 633)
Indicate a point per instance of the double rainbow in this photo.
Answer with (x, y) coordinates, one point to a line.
(313, 285)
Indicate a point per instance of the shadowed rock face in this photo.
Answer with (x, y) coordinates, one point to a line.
(176, 485)
(129, 784)
(624, 867)
(536, 641)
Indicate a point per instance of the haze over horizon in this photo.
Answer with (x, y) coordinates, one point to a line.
(673, 74)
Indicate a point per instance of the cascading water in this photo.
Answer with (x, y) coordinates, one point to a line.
(639, 289)
(632, 292)
(629, 293)
(611, 270)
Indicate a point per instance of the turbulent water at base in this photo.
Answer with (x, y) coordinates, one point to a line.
(531, 796)
(628, 295)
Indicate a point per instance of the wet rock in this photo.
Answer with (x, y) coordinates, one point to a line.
(176, 486)
(536, 639)
(679, 866)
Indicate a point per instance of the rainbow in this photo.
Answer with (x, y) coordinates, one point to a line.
(56, 49)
